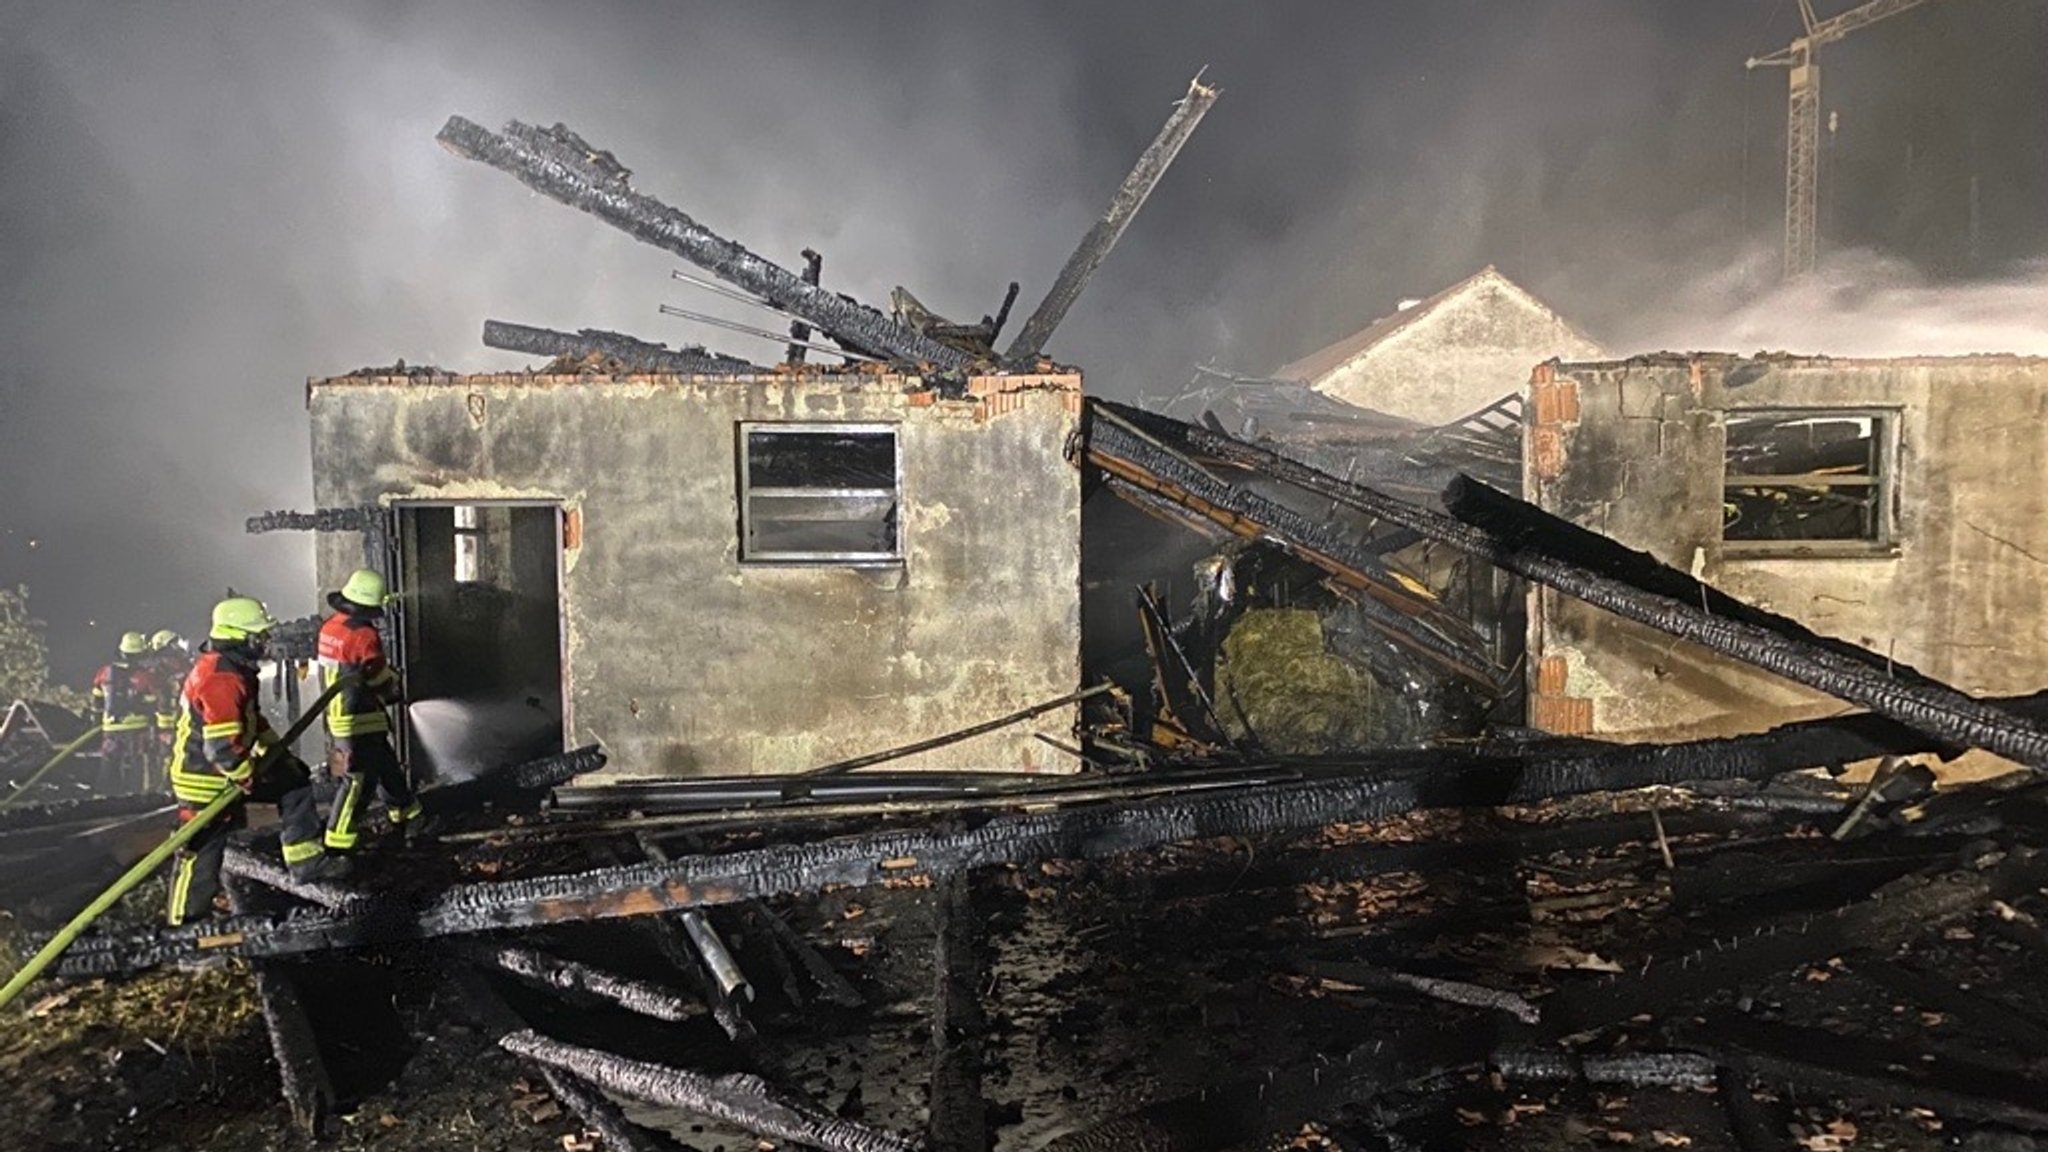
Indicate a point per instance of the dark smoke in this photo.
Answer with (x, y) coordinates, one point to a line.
(203, 203)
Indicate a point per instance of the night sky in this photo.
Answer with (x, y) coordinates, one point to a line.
(202, 204)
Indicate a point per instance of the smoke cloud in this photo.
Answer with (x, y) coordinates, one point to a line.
(203, 202)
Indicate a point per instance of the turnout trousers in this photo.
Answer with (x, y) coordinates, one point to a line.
(126, 760)
(371, 763)
(195, 874)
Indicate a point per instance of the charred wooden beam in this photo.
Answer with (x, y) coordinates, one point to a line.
(1633, 1070)
(1928, 706)
(1367, 978)
(958, 1114)
(746, 1101)
(635, 354)
(1394, 604)
(674, 944)
(1896, 913)
(831, 987)
(361, 519)
(268, 869)
(800, 332)
(587, 980)
(1123, 208)
(301, 1073)
(1879, 1071)
(554, 163)
(527, 779)
(1401, 784)
(578, 1095)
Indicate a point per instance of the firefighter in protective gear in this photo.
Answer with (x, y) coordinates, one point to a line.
(357, 718)
(221, 734)
(168, 661)
(124, 695)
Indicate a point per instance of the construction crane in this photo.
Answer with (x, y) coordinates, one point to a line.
(1802, 120)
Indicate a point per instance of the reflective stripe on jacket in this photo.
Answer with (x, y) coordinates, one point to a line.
(350, 645)
(221, 729)
(124, 697)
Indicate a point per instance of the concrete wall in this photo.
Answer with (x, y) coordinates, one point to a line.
(683, 661)
(1468, 351)
(1635, 449)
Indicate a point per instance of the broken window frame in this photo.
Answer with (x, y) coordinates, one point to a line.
(1882, 542)
(753, 557)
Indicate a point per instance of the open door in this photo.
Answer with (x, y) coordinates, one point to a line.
(478, 625)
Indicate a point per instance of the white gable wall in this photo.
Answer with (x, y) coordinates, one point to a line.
(1467, 351)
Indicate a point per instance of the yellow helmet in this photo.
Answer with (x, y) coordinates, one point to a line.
(133, 644)
(162, 639)
(239, 618)
(365, 588)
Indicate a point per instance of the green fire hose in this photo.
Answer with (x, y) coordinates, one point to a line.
(162, 852)
(62, 755)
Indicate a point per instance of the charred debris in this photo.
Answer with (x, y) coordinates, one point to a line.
(1309, 879)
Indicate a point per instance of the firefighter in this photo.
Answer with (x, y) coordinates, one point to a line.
(123, 693)
(169, 660)
(220, 735)
(358, 720)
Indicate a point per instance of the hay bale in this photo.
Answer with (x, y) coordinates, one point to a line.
(1277, 682)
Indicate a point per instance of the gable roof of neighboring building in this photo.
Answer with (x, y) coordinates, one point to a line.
(1324, 361)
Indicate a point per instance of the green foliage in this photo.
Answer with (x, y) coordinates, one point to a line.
(24, 657)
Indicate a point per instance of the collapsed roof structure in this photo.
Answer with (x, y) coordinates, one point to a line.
(571, 903)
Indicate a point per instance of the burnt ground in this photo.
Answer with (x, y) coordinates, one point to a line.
(1223, 994)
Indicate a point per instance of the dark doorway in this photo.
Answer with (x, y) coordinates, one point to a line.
(479, 630)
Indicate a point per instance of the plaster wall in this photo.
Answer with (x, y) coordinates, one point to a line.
(683, 661)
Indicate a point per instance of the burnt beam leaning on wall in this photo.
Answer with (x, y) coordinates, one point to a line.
(1433, 780)
(559, 165)
(1931, 707)
(1123, 208)
(1396, 606)
(634, 353)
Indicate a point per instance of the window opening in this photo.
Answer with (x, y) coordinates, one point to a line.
(468, 545)
(1795, 479)
(820, 494)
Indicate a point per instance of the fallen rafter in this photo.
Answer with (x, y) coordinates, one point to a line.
(1749, 636)
(746, 1101)
(1123, 208)
(634, 354)
(559, 165)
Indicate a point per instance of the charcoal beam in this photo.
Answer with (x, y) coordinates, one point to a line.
(1931, 707)
(544, 162)
(362, 519)
(1440, 779)
(578, 1095)
(580, 979)
(1633, 1070)
(301, 1073)
(1123, 208)
(958, 1114)
(1874, 1070)
(743, 1100)
(529, 778)
(1412, 619)
(636, 354)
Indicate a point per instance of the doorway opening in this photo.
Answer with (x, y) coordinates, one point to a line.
(478, 628)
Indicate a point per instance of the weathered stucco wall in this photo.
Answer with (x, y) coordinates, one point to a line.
(1469, 351)
(1635, 449)
(683, 661)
